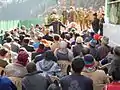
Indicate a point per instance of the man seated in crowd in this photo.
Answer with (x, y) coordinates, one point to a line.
(36, 81)
(76, 81)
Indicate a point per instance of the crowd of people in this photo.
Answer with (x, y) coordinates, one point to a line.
(43, 59)
(84, 18)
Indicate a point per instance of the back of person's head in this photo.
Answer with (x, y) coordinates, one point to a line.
(16, 39)
(85, 51)
(105, 40)
(89, 61)
(117, 50)
(62, 35)
(9, 39)
(27, 35)
(77, 35)
(7, 34)
(79, 40)
(56, 37)
(41, 46)
(93, 43)
(116, 74)
(78, 65)
(71, 35)
(37, 25)
(3, 52)
(7, 46)
(67, 36)
(92, 34)
(31, 67)
(22, 49)
(22, 58)
(49, 55)
(39, 38)
(21, 37)
(63, 45)
(95, 15)
(23, 27)
(26, 40)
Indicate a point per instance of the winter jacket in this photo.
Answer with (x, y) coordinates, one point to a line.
(34, 81)
(114, 64)
(54, 46)
(6, 84)
(99, 78)
(64, 54)
(112, 86)
(48, 67)
(15, 70)
(77, 50)
(102, 51)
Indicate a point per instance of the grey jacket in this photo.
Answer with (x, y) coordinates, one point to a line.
(34, 81)
(115, 63)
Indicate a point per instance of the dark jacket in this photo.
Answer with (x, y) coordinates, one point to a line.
(34, 81)
(77, 50)
(47, 37)
(93, 51)
(6, 84)
(101, 22)
(56, 26)
(29, 48)
(95, 24)
(76, 82)
(102, 51)
(114, 64)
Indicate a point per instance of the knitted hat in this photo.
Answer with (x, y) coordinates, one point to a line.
(93, 43)
(22, 58)
(89, 60)
(97, 37)
(79, 40)
(105, 40)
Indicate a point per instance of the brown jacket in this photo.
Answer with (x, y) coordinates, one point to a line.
(55, 46)
(99, 78)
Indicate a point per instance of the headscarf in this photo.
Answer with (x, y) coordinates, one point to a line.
(22, 58)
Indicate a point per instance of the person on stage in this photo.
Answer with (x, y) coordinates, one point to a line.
(72, 16)
(95, 23)
(65, 15)
(56, 25)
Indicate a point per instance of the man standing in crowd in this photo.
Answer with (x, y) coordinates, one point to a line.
(33, 80)
(72, 16)
(65, 16)
(95, 23)
(101, 24)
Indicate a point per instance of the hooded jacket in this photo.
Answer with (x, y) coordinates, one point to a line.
(48, 67)
(65, 54)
